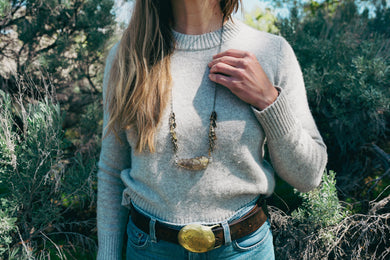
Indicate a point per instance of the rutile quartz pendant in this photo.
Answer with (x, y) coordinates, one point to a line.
(194, 164)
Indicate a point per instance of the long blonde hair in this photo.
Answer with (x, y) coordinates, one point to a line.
(140, 78)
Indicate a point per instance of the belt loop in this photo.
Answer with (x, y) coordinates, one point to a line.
(226, 233)
(152, 230)
(264, 206)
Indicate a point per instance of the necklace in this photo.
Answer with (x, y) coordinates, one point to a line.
(200, 162)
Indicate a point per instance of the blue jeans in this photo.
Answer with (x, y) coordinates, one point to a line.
(257, 245)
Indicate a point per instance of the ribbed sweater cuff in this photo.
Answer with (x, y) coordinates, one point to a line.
(277, 119)
(110, 247)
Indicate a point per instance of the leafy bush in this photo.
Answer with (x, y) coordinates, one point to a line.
(321, 228)
(344, 55)
(346, 65)
(84, 142)
(262, 20)
(54, 192)
(65, 37)
(321, 207)
(7, 224)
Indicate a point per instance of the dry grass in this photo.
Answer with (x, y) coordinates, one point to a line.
(357, 236)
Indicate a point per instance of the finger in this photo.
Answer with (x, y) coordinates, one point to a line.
(232, 53)
(223, 68)
(232, 61)
(221, 79)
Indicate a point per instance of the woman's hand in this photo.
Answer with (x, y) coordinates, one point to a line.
(241, 72)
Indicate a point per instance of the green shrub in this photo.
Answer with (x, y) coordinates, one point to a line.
(31, 162)
(312, 222)
(321, 207)
(54, 190)
(84, 145)
(321, 228)
(263, 20)
(346, 65)
(7, 224)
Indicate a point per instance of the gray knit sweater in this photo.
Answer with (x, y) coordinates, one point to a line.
(238, 173)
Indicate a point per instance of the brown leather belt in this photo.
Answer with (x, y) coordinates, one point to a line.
(239, 228)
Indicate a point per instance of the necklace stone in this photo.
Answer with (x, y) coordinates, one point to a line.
(200, 162)
(194, 164)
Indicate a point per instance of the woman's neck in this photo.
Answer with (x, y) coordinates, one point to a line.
(196, 16)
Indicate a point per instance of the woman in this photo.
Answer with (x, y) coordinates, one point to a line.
(190, 98)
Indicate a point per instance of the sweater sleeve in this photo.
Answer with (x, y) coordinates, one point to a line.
(114, 157)
(297, 151)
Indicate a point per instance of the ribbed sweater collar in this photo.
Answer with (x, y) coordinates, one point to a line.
(207, 40)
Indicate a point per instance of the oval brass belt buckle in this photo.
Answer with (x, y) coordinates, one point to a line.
(197, 238)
